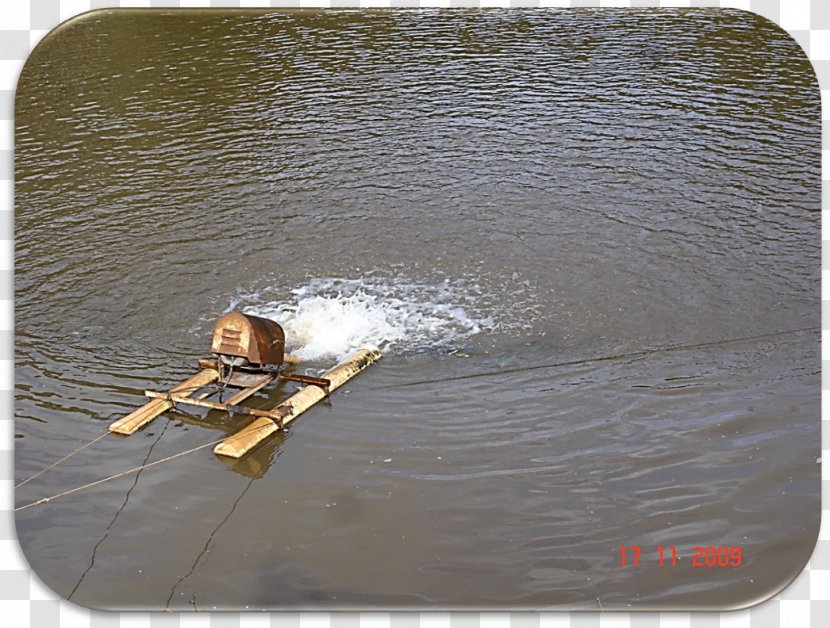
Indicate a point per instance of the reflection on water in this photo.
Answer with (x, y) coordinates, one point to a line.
(588, 241)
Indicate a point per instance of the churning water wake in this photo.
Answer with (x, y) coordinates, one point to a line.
(331, 317)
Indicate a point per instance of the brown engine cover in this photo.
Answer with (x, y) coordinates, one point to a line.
(260, 340)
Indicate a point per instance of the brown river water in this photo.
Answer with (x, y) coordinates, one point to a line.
(587, 241)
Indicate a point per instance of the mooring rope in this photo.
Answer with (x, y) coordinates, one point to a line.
(189, 389)
(123, 473)
(116, 476)
(65, 458)
(117, 514)
(206, 547)
(603, 358)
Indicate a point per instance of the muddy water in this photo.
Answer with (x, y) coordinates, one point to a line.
(587, 241)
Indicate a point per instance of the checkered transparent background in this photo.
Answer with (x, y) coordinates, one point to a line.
(25, 601)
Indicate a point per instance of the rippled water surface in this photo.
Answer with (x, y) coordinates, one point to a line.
(586, 240)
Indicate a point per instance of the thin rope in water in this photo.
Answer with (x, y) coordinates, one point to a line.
(123, 473)
(116, 476)
(117, 514)
(189, 389)
(603, 358)
(64, 459)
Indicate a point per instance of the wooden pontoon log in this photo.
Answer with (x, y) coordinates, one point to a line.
(249, 437)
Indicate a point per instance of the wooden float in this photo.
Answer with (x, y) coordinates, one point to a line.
(249, 437)
(249, 354)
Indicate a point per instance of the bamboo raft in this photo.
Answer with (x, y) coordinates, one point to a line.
(249, 352)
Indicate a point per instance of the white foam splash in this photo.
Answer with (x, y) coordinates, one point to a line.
(332, 317)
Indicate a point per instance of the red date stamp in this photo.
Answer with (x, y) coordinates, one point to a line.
(702, 556)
